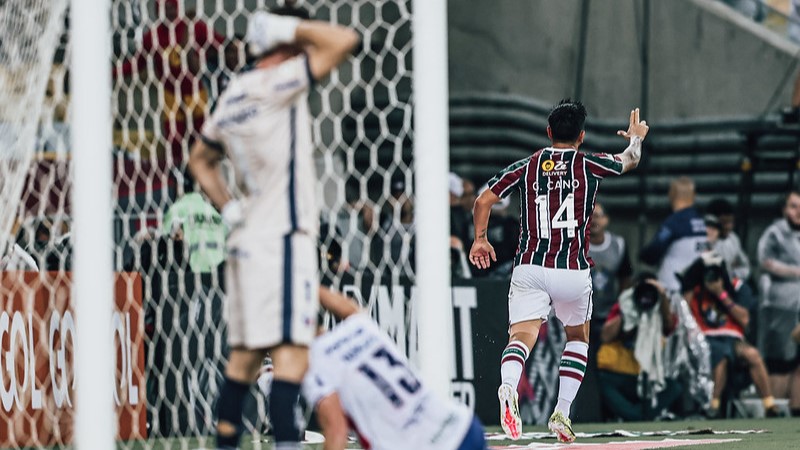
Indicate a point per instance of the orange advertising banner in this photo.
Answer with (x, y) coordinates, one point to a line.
(37, 371)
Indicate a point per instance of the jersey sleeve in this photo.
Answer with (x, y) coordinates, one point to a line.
(316, 387)
(602, 165)
(211, 135)
(502, 183)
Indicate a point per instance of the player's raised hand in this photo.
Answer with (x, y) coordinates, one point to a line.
(482, 254)
(635, 128)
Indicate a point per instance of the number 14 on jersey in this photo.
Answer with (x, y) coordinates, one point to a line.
(563, 218)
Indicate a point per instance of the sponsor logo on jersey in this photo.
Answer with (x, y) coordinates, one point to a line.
(554, 169)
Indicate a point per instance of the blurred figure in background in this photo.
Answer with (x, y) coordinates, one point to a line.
(779, 257)
(630, 360)
(727, 243)
(680, 239)
(179, 48)
(723, 316)
(612, 272)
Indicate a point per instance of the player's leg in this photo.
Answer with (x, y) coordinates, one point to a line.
(571, 291)
(290, 364)
(758, 372)
(794, 392)
(528, 308)
(298, 328)
(241, 371)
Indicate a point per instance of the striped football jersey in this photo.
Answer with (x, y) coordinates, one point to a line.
(557, 192)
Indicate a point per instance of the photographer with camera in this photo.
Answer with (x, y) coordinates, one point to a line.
(630, 358)
(720, 307)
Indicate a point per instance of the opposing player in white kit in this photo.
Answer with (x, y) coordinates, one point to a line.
(557, 188)
(262, 124)
(358, 379)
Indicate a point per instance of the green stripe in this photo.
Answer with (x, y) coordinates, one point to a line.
(515, 351)
(524, 234)
(610, 164)
(592, 184)
(573, 364)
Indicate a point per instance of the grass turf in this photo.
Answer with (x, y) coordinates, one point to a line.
(781, 434)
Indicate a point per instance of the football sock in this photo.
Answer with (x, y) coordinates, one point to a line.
(229, 409)
(570, 374)
(285, 414)
(512, 363)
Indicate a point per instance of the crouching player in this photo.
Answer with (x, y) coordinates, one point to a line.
(357, 379)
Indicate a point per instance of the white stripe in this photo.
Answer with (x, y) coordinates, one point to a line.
(571, 369)
(585, 199)
(572, 358)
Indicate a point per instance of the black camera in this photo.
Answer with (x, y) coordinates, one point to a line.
(712, 273)
(645, 295)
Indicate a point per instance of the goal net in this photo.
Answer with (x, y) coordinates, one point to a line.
(171, 60)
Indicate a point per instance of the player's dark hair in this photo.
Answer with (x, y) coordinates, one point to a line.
(566, 120)
(291, 11)
(719, 207)
(793, 191)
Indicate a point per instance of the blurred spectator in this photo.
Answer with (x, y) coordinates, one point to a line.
(612, 271)
(753, 9)
(793, 29)
(199, 225)
(467, 202)
(779, 257)
(180, 48)
(630, 360)
(721, 311)
(680, 239)
(459, 218)
(727, 243)
(356, 224)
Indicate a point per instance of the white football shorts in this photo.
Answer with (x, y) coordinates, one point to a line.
(272, 291)
(534, 289)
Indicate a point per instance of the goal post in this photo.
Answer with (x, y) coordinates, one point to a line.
(432, 162)
(90, 79)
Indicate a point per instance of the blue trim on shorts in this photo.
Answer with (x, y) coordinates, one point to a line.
(287, 288)
(292, 158)
(474, 439)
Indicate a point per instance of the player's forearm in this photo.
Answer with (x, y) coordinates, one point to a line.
(323, 35)
(338, 304)
(480, 219)
(632, 154)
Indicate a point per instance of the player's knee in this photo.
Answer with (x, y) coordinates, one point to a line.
(526, 337)
(578, 333)
(751, 355)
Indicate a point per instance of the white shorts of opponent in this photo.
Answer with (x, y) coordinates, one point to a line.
(272, 291)
(535, 289)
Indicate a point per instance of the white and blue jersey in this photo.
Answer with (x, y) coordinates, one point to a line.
(388, 405)
(679, 241)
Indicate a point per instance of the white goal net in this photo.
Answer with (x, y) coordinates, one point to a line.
(171, 60)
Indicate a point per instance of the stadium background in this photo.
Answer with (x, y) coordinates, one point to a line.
(709, 80)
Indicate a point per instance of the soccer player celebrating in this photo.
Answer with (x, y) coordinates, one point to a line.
(262, 123)
(557, 187)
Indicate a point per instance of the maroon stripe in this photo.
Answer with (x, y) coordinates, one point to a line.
(513, 357)
(576, 356)
(579, 171)
(507, 180)
(566, 373)
(531, 212)
(517, 345)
